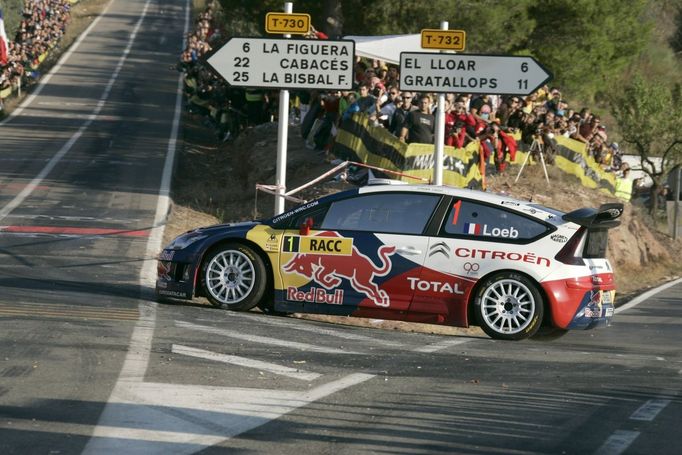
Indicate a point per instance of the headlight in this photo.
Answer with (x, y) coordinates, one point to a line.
(185, 240)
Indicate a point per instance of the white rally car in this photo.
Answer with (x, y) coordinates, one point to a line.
(417, 253)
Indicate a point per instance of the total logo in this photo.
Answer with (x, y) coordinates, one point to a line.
(434, 286)
(483, 229)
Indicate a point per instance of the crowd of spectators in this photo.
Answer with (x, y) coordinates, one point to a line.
(42, 26)
(493, 120)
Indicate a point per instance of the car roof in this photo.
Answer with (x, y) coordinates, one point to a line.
(485, 196)
(532, 209)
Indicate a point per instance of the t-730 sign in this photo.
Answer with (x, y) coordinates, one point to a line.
(286, 63)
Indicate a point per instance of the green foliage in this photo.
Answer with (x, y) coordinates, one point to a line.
(650, 118)
(588, 44)
(12, 12)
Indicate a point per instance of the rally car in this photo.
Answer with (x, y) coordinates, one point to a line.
(417, 253)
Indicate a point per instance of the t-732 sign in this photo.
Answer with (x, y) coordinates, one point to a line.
(470, 73)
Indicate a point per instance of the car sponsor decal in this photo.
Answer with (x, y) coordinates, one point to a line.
(474, 253)
(471, 268)
(434, 286)
(559, 238)
(594, 305)
(515, 204)
(484, 229)
(439, 248)
(328, 270)
(163, 269)
(291, 213)
(168, 293)
(315, 295)
(317, 245)
(166, 255)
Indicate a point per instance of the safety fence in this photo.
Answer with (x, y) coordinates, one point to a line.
(358, 140)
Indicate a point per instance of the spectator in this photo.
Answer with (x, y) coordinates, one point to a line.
(420, 124)
(400, 115)
(624, 184)
(366, 101)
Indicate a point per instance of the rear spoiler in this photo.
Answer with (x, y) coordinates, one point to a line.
(605, 217)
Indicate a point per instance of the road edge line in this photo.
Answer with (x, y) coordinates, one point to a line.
(642, 297)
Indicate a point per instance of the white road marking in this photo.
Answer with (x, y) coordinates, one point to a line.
(617, 443)
(28, 189)
(156, 418)
(261, 339)
(649, 410)
(246, 362)
(641, 298)
(296, 324)
(55, 69)
(440, 345)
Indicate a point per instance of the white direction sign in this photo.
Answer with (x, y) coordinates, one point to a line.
(471, 73)
(286, 63)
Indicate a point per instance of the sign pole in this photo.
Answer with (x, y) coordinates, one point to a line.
(438, 153)
(282, 137)
(676, 217)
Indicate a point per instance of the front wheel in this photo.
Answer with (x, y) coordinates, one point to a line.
(509, 306)
(234, 277)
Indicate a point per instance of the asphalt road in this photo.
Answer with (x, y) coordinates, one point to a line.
(90, 364)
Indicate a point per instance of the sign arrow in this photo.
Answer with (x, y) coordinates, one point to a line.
(471, 73)
(286, 63)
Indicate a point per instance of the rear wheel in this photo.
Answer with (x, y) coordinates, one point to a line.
(509, 306)
(234, 277)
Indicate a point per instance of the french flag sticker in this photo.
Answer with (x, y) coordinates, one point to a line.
(472, 228)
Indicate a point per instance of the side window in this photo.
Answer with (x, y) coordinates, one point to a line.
(316, 215)
(400, 213)
(484, 222)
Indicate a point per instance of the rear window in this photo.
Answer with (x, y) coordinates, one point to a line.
(595, 246)
(485, 222)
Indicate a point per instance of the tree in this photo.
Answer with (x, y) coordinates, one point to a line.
(649, 115)
(588, 44)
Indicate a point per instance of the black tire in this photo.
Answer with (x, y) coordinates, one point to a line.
(508, 306)
(233, 277)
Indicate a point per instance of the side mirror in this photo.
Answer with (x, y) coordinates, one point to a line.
(306, 226)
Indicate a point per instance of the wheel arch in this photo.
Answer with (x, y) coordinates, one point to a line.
(471, 316)
(224, 241)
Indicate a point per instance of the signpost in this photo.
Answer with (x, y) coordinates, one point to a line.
(283, 64)
(287, 24)
(286, 63)
(471, 73)
(447, 40)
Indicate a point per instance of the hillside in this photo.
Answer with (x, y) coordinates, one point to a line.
(216, 182)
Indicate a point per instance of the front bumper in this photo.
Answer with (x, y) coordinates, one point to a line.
(175, 280)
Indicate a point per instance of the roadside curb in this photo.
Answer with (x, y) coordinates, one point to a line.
(645, 295)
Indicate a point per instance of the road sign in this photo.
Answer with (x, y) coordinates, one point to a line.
(450, 40)
(291, 24)
(471, 73)
(286, 63)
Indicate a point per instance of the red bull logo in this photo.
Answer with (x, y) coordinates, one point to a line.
(328, 270)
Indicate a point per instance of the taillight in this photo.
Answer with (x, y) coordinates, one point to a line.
(569, 254)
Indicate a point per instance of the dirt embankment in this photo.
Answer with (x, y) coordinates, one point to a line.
(216, 182)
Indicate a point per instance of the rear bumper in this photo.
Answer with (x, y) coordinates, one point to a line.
(581, 303)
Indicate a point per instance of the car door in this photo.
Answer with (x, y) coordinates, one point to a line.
(363, 255)
(474, 239)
